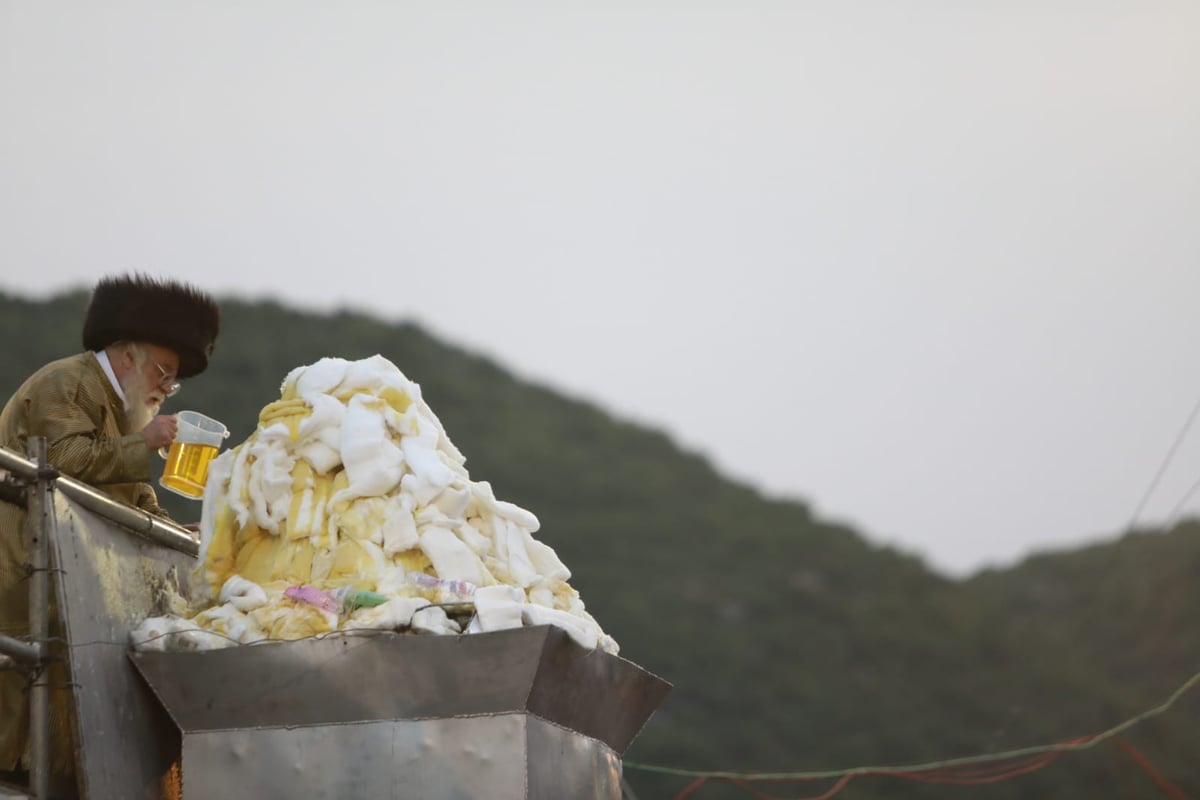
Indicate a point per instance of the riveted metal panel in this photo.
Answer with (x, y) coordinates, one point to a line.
(566, 764)
(449, 759)
(111, 580)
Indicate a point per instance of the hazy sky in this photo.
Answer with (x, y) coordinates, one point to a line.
(931, 266)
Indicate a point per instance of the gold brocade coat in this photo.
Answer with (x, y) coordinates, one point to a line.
(72, 403)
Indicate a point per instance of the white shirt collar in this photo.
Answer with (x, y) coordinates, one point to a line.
(106, 365)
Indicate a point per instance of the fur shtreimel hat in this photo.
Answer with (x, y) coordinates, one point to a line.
(167, 313)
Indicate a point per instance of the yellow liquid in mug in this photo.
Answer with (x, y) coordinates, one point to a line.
(187, 468)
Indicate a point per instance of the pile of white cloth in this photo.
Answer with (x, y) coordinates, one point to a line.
(350, 508)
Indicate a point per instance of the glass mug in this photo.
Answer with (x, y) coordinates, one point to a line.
(196, 444)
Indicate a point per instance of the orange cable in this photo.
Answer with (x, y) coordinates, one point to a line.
(1170, 789)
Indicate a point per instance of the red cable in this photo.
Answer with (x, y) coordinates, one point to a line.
(960, 775)
(1170, 789)
(988, 774)
(745, 786)
(968, 774)
(691, 787)
(963, 774)
(1009, 771)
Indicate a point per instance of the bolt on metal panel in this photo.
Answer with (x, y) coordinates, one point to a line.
(455, 758)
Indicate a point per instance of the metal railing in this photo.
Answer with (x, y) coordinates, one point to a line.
(140, 522)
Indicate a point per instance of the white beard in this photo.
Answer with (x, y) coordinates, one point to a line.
(141, 405)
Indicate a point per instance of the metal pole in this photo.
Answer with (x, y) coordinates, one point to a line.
(20, 652)
(39, 523)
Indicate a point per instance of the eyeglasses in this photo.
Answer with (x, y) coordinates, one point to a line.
(168, 384)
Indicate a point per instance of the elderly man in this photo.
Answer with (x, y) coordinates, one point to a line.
(98, 411)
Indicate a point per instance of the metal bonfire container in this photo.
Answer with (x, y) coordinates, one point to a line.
(523, 713)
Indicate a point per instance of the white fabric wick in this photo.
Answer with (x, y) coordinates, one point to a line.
(385, 483)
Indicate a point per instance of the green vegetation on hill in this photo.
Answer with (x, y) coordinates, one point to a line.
(793, 643)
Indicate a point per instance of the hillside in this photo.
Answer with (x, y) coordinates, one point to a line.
(793, 643)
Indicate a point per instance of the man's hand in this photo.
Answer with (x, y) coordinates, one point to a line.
(161, 431)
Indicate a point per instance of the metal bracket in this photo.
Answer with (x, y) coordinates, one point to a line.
(12, 488)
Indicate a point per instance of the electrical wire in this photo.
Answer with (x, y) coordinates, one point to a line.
(960, 776)
(1177, 511)
(1162, 468)
(1082, 743)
